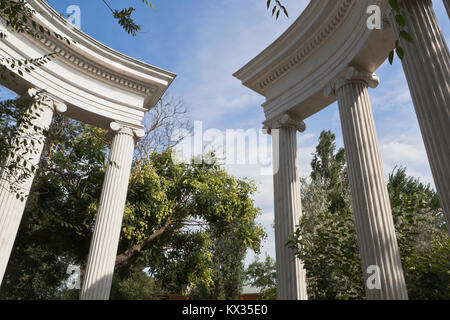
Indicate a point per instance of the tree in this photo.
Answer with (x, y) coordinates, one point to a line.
(326, 238)
(227, 264)
(189, 207)
(175, 216)
(68, 182)
(422, 237)
(262, 274)
(138, 286)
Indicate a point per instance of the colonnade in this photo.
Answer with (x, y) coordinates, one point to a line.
(427, 69)
(105, 240)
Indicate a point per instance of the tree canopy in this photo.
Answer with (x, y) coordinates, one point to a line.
(180, 223)
(326, 237)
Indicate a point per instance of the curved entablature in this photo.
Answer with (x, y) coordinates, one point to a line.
(330, 35)
(98, 84)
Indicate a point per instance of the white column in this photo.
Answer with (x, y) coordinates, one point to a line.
(291, 278)
(105, 240)
(11, 207)
(427, 69)
(371, 206)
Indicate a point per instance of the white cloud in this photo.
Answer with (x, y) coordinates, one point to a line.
(224, 40)
(407, 151)
(264, 195)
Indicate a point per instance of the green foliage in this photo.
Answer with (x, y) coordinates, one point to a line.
(227, 264)
(262, 274)
(18, 136)
(34, 271)
(330, 170)
(124, 18)
(198, 207)
(403, 34)
(11, 116)
(125, 21)
(326, 237)
(55, 230)
(16, 15)
(427, 272)
(176, 223)
(136, 286)
(422, 236)
(327, 244)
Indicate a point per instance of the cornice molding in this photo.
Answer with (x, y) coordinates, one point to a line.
(97, 83)
(305, 51)
(293, 72)
(85, 65)
(313, 29)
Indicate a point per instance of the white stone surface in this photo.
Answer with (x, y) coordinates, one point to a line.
(291, 275)
(427, 69)
(95, 85)
(371, 206)
(105, 241)
(11, 208)
(327, 37)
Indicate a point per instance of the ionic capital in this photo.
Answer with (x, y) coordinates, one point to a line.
(117, 127)
(350, 75)
(43, 99)
(287, 120)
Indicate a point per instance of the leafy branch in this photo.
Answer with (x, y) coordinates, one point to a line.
(9, 65)
(19, 141)
(277, 8)
(124, 18)
(401, 22)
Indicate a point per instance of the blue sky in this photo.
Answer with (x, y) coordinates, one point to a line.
(206, 41)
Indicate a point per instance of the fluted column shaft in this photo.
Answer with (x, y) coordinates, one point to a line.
(427, 69)
(291, 278)
(13, 200)
(371, 206)
(105, 240)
